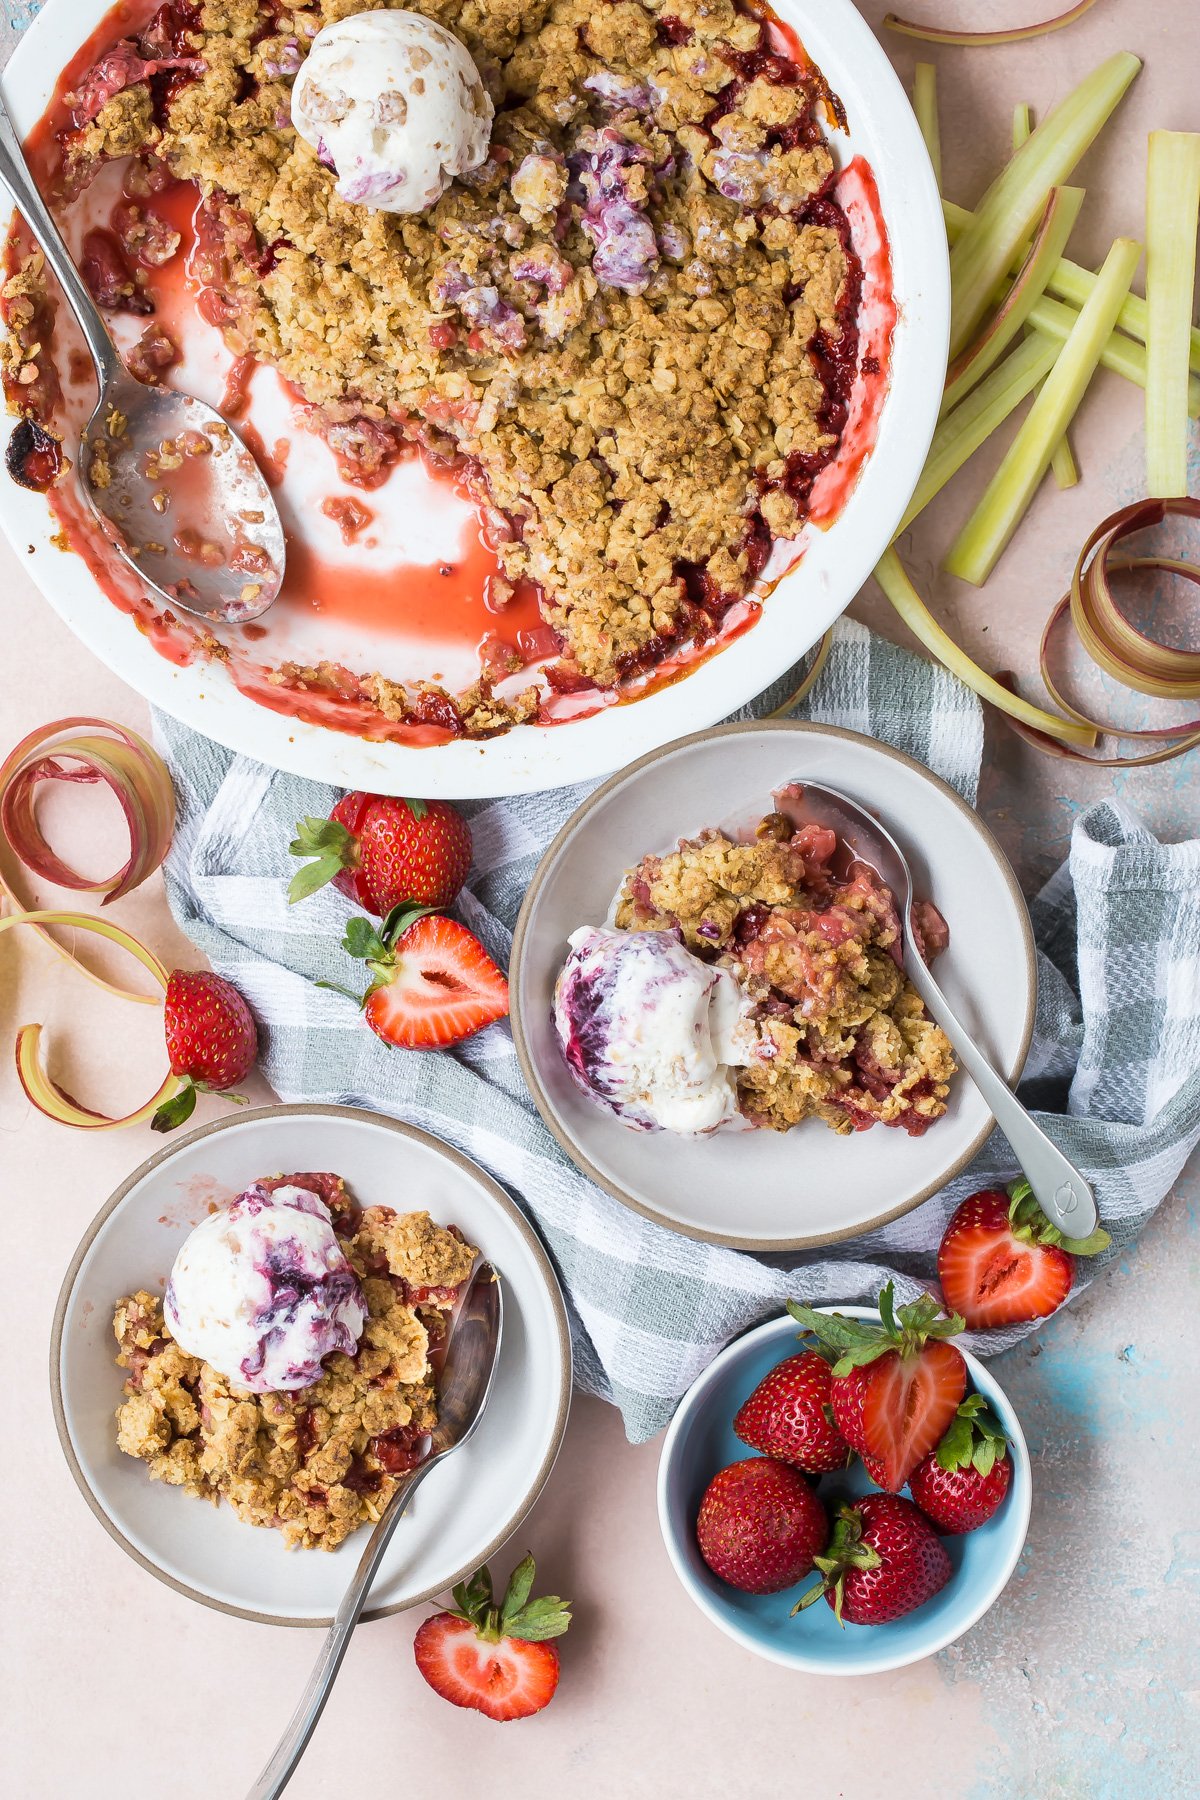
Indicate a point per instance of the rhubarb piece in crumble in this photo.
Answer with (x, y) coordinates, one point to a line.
(812, 938)
(319, 1461)
(632, 329)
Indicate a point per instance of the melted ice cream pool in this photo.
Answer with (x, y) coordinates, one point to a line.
(650, 1031)
(393, 103)
(263, 1291)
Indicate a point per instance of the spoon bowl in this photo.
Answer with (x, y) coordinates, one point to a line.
(176, 491)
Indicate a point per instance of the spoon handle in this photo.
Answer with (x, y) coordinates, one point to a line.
(1060, 1190)
(16, 179)
(303, 1722)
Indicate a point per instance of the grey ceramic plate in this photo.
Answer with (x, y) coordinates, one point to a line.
(763, 1190)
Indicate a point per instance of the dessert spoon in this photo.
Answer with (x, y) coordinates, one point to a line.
(175, 490)
(1059, 1188)
(472, 1353)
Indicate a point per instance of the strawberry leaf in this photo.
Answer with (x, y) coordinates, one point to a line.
(177, 1109)
(520, 1586)
(397, 921)
(363, 941)
(418, 808)
(1029, 1222)
(333, 847)
(1089, 1246)
(546, 1618)
(974, 1438)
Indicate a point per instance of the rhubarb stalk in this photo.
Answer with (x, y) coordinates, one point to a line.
(1172, 215)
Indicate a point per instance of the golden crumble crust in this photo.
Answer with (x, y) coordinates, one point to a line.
(316, 1463)
(617, 321)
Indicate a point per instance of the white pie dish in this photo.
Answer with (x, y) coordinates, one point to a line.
(763, 1190)
(807, 600)
(465, 1509)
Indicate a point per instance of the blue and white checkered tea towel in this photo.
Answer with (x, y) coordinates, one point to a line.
(1115, 1058)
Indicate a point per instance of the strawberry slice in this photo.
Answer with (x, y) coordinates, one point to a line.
(434, 983)
(909, 1403)
(496, 1660)
(896, 1385)
(1001, 1261)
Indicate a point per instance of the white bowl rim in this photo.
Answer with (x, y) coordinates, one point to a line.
(557, 847)
(308, 1110)
(530, 758)
(1020, 1495)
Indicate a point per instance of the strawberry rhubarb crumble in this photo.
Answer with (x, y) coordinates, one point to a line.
(615, 292)
(290, 1368)
(761, 979)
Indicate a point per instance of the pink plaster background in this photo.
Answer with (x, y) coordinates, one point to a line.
(1082, 1680)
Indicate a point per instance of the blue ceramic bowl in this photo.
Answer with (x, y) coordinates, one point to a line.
(700, 1441)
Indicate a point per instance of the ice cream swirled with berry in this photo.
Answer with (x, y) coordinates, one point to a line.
(392, 103)
(263, 1291)
(650, 1030)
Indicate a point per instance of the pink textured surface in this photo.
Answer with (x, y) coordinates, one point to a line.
(114, 1685)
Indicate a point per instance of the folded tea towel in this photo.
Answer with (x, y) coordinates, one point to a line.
(1115, 1060)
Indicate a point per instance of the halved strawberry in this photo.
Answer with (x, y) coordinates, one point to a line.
(896, 1385)
(434, 984)
(1001, 1261)
(494, 1659)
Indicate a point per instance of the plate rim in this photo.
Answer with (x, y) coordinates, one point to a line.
(1022, 1482)
(207, 702)
(361, 1115)
(731, 1241)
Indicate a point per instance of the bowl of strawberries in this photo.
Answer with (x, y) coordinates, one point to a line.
(846, 1490)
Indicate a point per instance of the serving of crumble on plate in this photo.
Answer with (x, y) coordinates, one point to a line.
(687, 970)
(321, 1460)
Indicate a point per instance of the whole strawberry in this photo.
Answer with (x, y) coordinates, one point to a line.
(895, 1385)
(789, 1416)
(432, 983)
(760, 1525)
(494, 1659)
(884, 1560)
(959, 1485)
(212, 1041)
(1001, 1261)
(381, 851)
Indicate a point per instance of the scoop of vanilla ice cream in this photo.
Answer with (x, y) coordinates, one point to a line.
(262, 1291)
(650, 1030)
(394, 104)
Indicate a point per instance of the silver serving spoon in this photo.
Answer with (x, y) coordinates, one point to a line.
(472, 1353)
(1060, 1190)
(176, 491)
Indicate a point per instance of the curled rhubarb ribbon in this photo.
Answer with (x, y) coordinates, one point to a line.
(87, 750)
(42, 1091)
(1130, 656)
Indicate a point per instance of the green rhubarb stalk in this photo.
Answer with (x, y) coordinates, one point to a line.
(1121, 354)
(1063, 466)
(1172, 218)
(892, 577)
(1070, 281)
(1057, 223)
(925, 105)
(1022, 125)
(960, 434)
(982, 540)
(1008, 212)
(1062, 463)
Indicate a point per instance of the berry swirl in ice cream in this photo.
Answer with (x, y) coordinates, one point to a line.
(263, 1291)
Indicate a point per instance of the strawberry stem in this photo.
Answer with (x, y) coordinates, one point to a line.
(1028, 1222)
